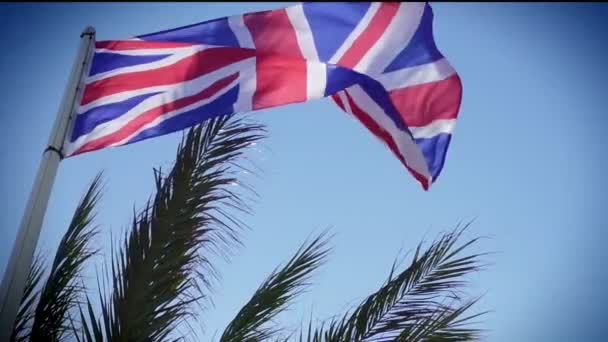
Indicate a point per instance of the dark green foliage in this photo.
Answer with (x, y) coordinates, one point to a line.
(422, 303)
(275, 294)
(164, 267)
(46, 311)
(164, 264)
(25, 316)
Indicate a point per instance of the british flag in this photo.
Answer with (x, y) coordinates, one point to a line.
(377, 61)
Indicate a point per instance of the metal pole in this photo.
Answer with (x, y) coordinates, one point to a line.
(13, 283)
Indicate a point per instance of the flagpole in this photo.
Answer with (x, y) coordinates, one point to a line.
(15, 276)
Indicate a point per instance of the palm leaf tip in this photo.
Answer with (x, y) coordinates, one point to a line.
(421, 303)
(276, 292)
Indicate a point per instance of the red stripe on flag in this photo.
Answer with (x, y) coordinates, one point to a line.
(370, 34)
(152, 114)
(422, 104)
(184, 70)
(338, 101)
(272, 32)
(280, 81)
(124, 45)
(379, 132)
(280, 67)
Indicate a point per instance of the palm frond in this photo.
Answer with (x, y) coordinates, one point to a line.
(411, 306)
(62, 288)
(165, 261)
(275, 294)
(91, 331)
(443, 325)
(25, 315)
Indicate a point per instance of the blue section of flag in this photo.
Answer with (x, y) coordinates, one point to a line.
(377, 92)
(434, 150)
(223, 105)
(421, 48)
(105, 61)
(87, 121)
(212, 32)
(340, 78)
(343, 19)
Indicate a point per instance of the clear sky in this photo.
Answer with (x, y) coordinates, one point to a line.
(527, 160)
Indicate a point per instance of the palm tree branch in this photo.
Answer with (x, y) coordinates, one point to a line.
(445, 324)
(412, 296)
(27, 307)
(61, 290)
(165, 263)
(274, 295)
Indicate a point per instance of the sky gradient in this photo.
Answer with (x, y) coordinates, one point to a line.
(526, 161)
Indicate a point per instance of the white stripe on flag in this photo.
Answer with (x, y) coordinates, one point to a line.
(303, 32)
(203, 79)
(178, 55)
(149, 51)
(345, 103)
(174, 113)
(316, 79)
(434, 128)
(247, 86)
(407, 147)
(169, 93)
(110, 129)
(421, 74)
(237, 24)
(396, 37)
(361, 26)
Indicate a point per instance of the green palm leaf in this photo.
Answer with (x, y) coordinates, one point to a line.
(63, 288)
(164, 264)
(422, 303)
(275, 294)
(25, 316)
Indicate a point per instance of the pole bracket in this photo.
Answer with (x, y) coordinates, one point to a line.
(88, 31)
(54, 149)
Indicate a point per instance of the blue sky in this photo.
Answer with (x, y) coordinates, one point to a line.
(527, 161)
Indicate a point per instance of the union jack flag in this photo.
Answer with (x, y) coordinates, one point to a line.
(377, 61)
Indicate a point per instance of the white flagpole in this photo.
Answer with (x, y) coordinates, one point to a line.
(15, 276)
